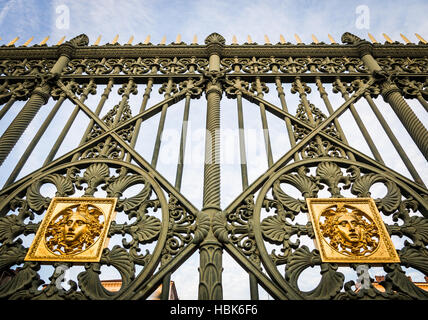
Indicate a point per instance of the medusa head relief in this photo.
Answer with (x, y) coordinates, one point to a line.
(73, 229)
(350, 231)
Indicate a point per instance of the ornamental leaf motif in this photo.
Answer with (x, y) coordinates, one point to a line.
(220, 227)
(274, 229)
(401, 283)
(301, 182)
(417, 229)
(22, 280)
(146, 229)
(331, 280)
(119, 258)
(116, 188)
(96, 174)
(10, 227)
(330, 285)
(215, 38)
(392, 199)
(202, 227)
(90, 284)
(10, 255)
(330, 174)
(37, 202)
(416, 258)
(301, 259)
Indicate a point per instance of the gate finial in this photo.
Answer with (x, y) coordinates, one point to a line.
(215, 38)
(80, 40)
(350, 38)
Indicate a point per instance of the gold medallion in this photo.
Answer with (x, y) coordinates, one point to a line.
(350, 230)
(73, 230)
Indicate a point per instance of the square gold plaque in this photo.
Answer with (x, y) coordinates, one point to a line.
(350, 230)
(73, 230)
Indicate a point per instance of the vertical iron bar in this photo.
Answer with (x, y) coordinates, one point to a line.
(7, 106)
(393, 139)
(281, 95)
(421, 99)
(39, 97)
(392, 95)
(100, 105)
(211, 250)
(146, 97)
(242, 151)
(254, 291)
(329, 107)
(35, 140)
(359, 122)
(301, 88)
(266, 135)
(161, 125)
(130, 88)
(69, 123)
(183, 138)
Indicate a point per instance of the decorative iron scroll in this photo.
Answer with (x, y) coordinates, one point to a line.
(149, 228)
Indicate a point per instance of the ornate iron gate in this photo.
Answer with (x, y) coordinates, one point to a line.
(261, 229)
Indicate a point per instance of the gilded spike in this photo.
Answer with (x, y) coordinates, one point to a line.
(115, 39)
(420, 38)
(234, 40)
(44, 41)
(372, 38)
(387, 38)
(97, 42)
(314, 39)
(195, 39)
(28, 42)
(249, 40)
(178, 39)
(147, 40)
(296, 36)
(61, 41)
(13, 41)
(267, 41)
(163, 41)
(130, 40)
(404, 38)
(281, 39)
(331, 38)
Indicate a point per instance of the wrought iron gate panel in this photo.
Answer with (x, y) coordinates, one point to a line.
(265, 229)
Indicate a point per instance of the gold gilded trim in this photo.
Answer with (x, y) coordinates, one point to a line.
(350, 230)
(73, 230)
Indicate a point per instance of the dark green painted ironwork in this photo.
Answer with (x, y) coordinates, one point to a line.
(264, 214)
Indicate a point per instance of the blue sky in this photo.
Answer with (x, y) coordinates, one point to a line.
(27, 18)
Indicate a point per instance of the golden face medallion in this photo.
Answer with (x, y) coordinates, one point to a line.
(350, 231)
(73, 229)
